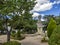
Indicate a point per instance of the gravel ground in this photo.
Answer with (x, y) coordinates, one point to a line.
(36, 40)
(30, 40)
(3, 38)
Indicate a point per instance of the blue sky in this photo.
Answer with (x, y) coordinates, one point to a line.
(46, 7)
(55, 10)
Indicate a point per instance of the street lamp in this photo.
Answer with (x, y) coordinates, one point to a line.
(8, 33)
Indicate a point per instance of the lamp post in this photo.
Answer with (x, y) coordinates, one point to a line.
(8, 33)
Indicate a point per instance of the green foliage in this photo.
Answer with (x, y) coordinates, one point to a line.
(24, 23)
(30, 27)
(57, 18)
(55, 37)
(13, 33)
(44, 39)
(12, 43)
(19, 36)
(1, 23)
(51, 27)
(10, 6)
(18, 33)
(47, 18)
(20, 14)
(7, 7)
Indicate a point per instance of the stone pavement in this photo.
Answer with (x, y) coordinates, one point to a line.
(35, 40)
(30, 40)
(3, 38)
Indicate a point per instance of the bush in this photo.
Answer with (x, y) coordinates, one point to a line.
(51, 27)
(19, 36)
(12, 43)
(13, 33)
(55, 37)
(44, 40)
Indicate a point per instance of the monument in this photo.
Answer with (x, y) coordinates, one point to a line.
(39, 25)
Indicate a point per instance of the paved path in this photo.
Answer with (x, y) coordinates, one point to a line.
(34, 40)
(30, 40)
(3, 38)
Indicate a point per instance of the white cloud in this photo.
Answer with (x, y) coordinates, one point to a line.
(42, 15)
(42, 1)
(35, 14)
(43, 5)
(42, 20)
(58, 2)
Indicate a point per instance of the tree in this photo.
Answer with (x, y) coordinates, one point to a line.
(47, 20)
(57, 18)
(48, 17)
(55, 37)
(25, 17)
(15, 7)
(51, 27)
(6, 7)
(1, 25)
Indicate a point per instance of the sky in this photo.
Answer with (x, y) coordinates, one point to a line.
(46, 7)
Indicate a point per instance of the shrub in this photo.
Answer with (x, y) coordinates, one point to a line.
(19, 36)
(44, 39)
(55, 37)
(12, 43)
(13, 33)
(51, 27)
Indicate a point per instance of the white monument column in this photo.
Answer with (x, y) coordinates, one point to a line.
(39, 25)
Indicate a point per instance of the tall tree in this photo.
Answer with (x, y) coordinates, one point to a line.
(57, 18)
(21, 8)
(51, 26)
(23, 12)
(47, 20)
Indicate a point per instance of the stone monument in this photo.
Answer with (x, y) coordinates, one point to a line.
(39, 26)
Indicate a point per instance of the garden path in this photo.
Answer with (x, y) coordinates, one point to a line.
(33, 40)
(29, 40)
